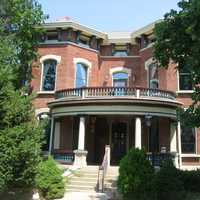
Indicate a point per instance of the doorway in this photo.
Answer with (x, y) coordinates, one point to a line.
(118, 141)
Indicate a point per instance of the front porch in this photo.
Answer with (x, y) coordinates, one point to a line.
(85, 120)
(92, 133)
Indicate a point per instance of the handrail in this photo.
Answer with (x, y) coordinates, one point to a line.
(110, 92)
(103, 168)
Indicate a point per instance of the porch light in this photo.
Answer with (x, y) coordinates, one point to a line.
(148, 120)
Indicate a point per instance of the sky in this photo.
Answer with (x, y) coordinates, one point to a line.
(109, 15)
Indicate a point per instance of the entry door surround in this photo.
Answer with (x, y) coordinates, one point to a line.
(118, 139)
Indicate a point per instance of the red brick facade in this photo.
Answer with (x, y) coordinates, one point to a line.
(99, 73)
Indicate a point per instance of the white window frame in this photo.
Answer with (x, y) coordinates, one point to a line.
(147, 64)
(120, 70)
(87, 64)
(42, 60)
(178, 85)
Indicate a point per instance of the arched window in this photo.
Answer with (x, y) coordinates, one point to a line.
(49, 75)
(120, 79)
(81, 75)
(153, 75)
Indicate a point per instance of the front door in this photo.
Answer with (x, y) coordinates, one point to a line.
(118, 142)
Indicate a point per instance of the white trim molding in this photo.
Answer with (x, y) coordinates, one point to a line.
(148, 62)
(83, 61)
(120, 69)
(41, 110)
(50, 56)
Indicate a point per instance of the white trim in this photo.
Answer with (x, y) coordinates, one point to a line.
(46, 92)
(146, 66)
(120, 69)
(85, 62)
(184, 91)
(42, 59)
(56, 143)
(50, 56)
(82, 60)
(41, 110)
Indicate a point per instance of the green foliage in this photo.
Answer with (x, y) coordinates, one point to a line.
(21, 22)
(20, 133)
(167, 184)
(135, 175)
(191, 180)
(177, 39)
(49, 180)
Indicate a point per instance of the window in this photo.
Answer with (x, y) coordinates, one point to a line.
(52, 36)
(153, 76)
(81, 75)
(49, 75)
(120, 79)
(185, 82)
(188, 140)
(120, 53)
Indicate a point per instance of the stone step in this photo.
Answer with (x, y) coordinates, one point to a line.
(84, 179)
(81, 182)
(81, 187)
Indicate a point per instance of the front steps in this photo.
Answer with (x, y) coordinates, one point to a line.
(85, 181)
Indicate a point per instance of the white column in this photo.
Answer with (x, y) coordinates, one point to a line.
(173, 136)
(51, 135)
(173, 143)
(57, 136)
(138, 133)
(179, 143)
(80, 154)
(81, 138)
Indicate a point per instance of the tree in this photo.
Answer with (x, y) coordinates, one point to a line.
(178, 40)
(20, 133)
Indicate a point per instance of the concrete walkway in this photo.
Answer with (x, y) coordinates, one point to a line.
(84, 196)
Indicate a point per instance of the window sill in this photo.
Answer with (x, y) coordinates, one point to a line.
(46, 92)
(190, 155)
(184, 91)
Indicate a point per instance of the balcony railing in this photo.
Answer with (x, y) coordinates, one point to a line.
(110, 92)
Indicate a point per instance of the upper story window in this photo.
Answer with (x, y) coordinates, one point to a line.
(81, 75)
(49, 75)
(120, 79)
(188, 140)
(52, 36)
(153, 76)
(185, 82)
(120, 53)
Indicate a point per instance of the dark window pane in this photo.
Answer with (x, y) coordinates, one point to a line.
(188, 140)
(81, 75)
(49, 75)
(120, 75)
(185, 82)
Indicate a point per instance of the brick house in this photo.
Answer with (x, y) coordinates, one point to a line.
(105, 89)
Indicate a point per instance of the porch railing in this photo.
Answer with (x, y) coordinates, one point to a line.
(156, 159)
(114, 92)
(63, 156)
(103, 169)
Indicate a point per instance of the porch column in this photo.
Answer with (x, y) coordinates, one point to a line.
(173, 142)
(138, 133)
(51, 135)
(81, 153)
(179, 144)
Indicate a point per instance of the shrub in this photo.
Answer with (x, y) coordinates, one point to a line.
(49, 180)
(135, 175)
(191, 180)
(167, 183)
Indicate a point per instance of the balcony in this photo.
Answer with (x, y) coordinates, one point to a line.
(115, 93)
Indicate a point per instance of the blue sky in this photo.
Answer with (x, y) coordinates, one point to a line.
(109, 15)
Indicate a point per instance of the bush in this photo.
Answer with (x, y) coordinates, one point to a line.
(167, 183)
(135, 176)
(49, 180)
(191, 180)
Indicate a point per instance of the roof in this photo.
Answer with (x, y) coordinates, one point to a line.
(108, 37)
